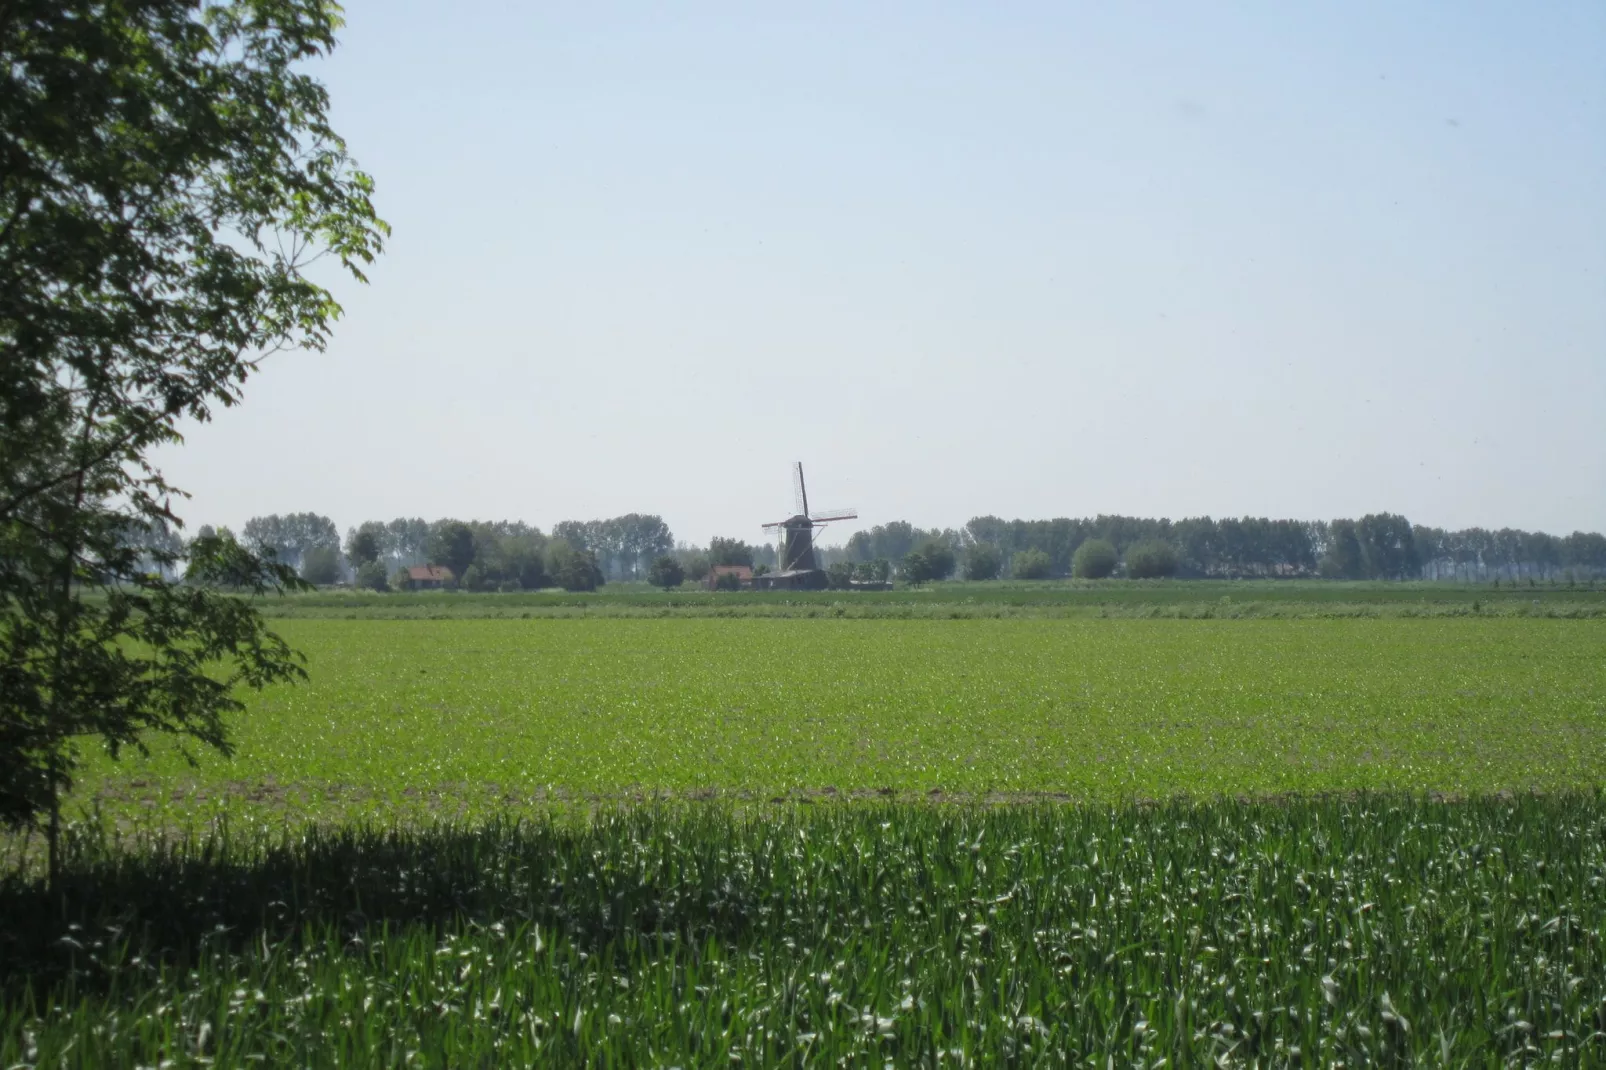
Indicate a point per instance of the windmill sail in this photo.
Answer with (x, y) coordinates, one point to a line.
(800, 491)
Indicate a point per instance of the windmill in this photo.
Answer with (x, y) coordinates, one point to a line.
(798, 567)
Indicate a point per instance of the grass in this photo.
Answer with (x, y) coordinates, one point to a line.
(1187, 599)
(467, 718)
(1371, 833)
(1369, 931)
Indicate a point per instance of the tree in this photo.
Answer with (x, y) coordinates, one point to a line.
(365, 544)
(916, 567)
(167, 176)
(877, 571)
(1343, 560)
(407, 540)
(1388, 546)
(1093, 560)
(1150, 559)
(524, 558)
(727, 581)
(939, 558)
(371, 577)
(321, 565)
(1030, 565)
(666, 573)
(982, 561)
(571, 568)
(729, 552)
(697, 567)
(643, 537)
(452, 544)
(839, 575)
(290, 537)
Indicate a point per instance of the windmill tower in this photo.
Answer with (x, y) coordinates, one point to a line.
(798, 568)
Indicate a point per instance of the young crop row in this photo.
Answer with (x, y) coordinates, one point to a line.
(1368, 931)
(470, 718)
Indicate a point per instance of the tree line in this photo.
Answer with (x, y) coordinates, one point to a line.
(579, 555)
(1375, 546)
(481, 555)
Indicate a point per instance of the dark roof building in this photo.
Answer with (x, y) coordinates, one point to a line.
(427, 577)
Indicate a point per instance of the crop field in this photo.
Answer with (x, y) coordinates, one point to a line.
(803, 839)
(466, 717)
(1296, 933)
(1088, 599)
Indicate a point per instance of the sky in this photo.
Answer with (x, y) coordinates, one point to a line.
(1022, 259)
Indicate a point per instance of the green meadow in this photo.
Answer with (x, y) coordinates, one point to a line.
(1364, 829)
(473, 716)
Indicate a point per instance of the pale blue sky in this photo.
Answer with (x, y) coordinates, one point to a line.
(1305, 260)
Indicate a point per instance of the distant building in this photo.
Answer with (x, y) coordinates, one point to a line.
(795, 579)
(743, 574)
(428, 577)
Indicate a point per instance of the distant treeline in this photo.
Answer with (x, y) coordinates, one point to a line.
(510, 555)
(482, 555)
(1376, 546)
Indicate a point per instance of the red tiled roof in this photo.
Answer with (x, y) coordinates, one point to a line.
(439, 573)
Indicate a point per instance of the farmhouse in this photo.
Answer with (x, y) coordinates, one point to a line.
(428, 577)
(797, 579)
(743, 574)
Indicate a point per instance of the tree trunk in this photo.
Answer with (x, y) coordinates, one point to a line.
(53, 837)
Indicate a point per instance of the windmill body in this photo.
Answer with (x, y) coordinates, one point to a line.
(799, 569)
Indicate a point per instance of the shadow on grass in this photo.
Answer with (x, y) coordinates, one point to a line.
(179, 902)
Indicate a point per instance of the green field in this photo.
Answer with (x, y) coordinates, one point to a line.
(477, 715)
(1186, 599)
(1364, 826)
(1362, 933)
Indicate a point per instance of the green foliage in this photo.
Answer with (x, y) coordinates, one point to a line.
(168, 177)
(1151, 559)
(1094, 560)
(1030, 565)
(321, 565)
(983, 561)
(666, 572)
(892, 541)
(940, 558)
(1377, 931)
(1343, 559)
(371, 577)
(510, 556)
(839, 576)
(727, 581)
(290, 538)
(878, 570)
(572, 569)
(451, 544)
(697, 566)
(621, 544)
(365, 544)
(729, 552)
(933, 559)
(915, 568)
(1388, 546)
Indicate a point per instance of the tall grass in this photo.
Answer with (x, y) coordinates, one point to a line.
(1368, 931)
